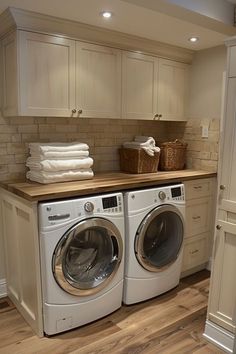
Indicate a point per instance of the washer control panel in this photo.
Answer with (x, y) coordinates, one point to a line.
(112, 204)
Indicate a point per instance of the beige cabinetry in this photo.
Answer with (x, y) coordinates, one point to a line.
(139, 86)
(98, 81)
(221, 322)
(172, 90)
(48, 75)
(54, 76)
(199, 224)
(20, 230)
(153, 88)
(39, 75)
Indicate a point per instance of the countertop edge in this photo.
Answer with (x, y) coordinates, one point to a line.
(112, 181)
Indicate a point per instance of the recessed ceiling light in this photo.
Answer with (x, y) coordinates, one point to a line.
(106, 14)
(193, 39)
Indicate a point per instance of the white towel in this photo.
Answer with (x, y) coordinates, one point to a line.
(47, 177)
(58, 155)
(60, 147)
(149, 149)
(59, 165)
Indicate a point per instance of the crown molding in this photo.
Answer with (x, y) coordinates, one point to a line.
(14, 18)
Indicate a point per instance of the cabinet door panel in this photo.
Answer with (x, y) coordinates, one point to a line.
(9, 75)
(98, 81)
(172, 90)
(47, 75)
(228, 165)
(222, 308)
(139, 86)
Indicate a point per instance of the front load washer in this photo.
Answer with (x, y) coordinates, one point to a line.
(154, 241)
(81, 250)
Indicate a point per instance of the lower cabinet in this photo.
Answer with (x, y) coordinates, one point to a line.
(199, 218)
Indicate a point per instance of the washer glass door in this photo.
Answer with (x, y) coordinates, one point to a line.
(87, 256)
(159, 238)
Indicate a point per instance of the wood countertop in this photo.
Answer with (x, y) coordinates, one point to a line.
(101, 183)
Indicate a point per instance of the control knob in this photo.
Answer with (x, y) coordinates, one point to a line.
(162, 195)
(88, 206)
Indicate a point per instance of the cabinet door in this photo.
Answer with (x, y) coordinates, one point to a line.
(172, 90)
(195, 251)
(98, 81)
(47, 75)
(222, 306)
(139, 86)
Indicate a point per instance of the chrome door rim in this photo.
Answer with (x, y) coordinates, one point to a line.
(140, 235)
(60, 251)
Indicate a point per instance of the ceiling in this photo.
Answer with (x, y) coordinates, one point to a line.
(133, 19)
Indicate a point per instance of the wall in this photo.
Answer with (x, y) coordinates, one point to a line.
(206, 80)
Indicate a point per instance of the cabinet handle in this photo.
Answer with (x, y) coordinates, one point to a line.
(195, 251)
(222, 187)
(196, 217)
(73, 111)
(197, 187)
(218, 227)
(80, 111)
(156, 116)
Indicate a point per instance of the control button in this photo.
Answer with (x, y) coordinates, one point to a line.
(116, 210)
(112, 210)
(48, 208)
(162, 195)
(120, 209)
(88, 206)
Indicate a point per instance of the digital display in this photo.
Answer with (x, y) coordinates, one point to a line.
(109, 202)
(176, 192)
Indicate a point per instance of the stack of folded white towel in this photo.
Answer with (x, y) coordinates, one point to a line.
(59, 162)
(147, 143)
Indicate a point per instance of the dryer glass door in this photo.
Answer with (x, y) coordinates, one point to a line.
(159, 238)
(87, 256)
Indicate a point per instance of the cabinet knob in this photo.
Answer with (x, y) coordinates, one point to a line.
(80, 111)
(156, 116)
(73, 111)
(218, 227)
(222, 187)
(160, 115)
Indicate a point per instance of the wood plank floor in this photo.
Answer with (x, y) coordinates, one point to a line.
(171, 323)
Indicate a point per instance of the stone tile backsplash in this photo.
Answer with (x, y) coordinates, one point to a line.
(104, 137)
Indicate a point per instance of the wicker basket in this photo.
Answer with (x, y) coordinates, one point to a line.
(173, 156)
(138, 161)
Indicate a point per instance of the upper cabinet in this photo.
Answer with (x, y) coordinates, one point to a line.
(172, 90)
(46, 75)
(153, 88)
(139, 86)
(40, 72)
(98, 81)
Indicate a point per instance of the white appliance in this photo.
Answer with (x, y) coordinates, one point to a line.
(82, 263)
(154, 241)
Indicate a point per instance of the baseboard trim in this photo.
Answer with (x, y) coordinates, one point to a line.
(3, 288)
(219, 336)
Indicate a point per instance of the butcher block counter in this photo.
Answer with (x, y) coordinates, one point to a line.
(101, 183)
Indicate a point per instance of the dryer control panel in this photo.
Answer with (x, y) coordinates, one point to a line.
(171, 193)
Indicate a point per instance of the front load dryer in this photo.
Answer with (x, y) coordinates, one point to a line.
(81, 250)
(154, 241)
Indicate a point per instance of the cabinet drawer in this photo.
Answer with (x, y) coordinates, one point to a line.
(195, 251)
(198, 188)
(198, 218)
